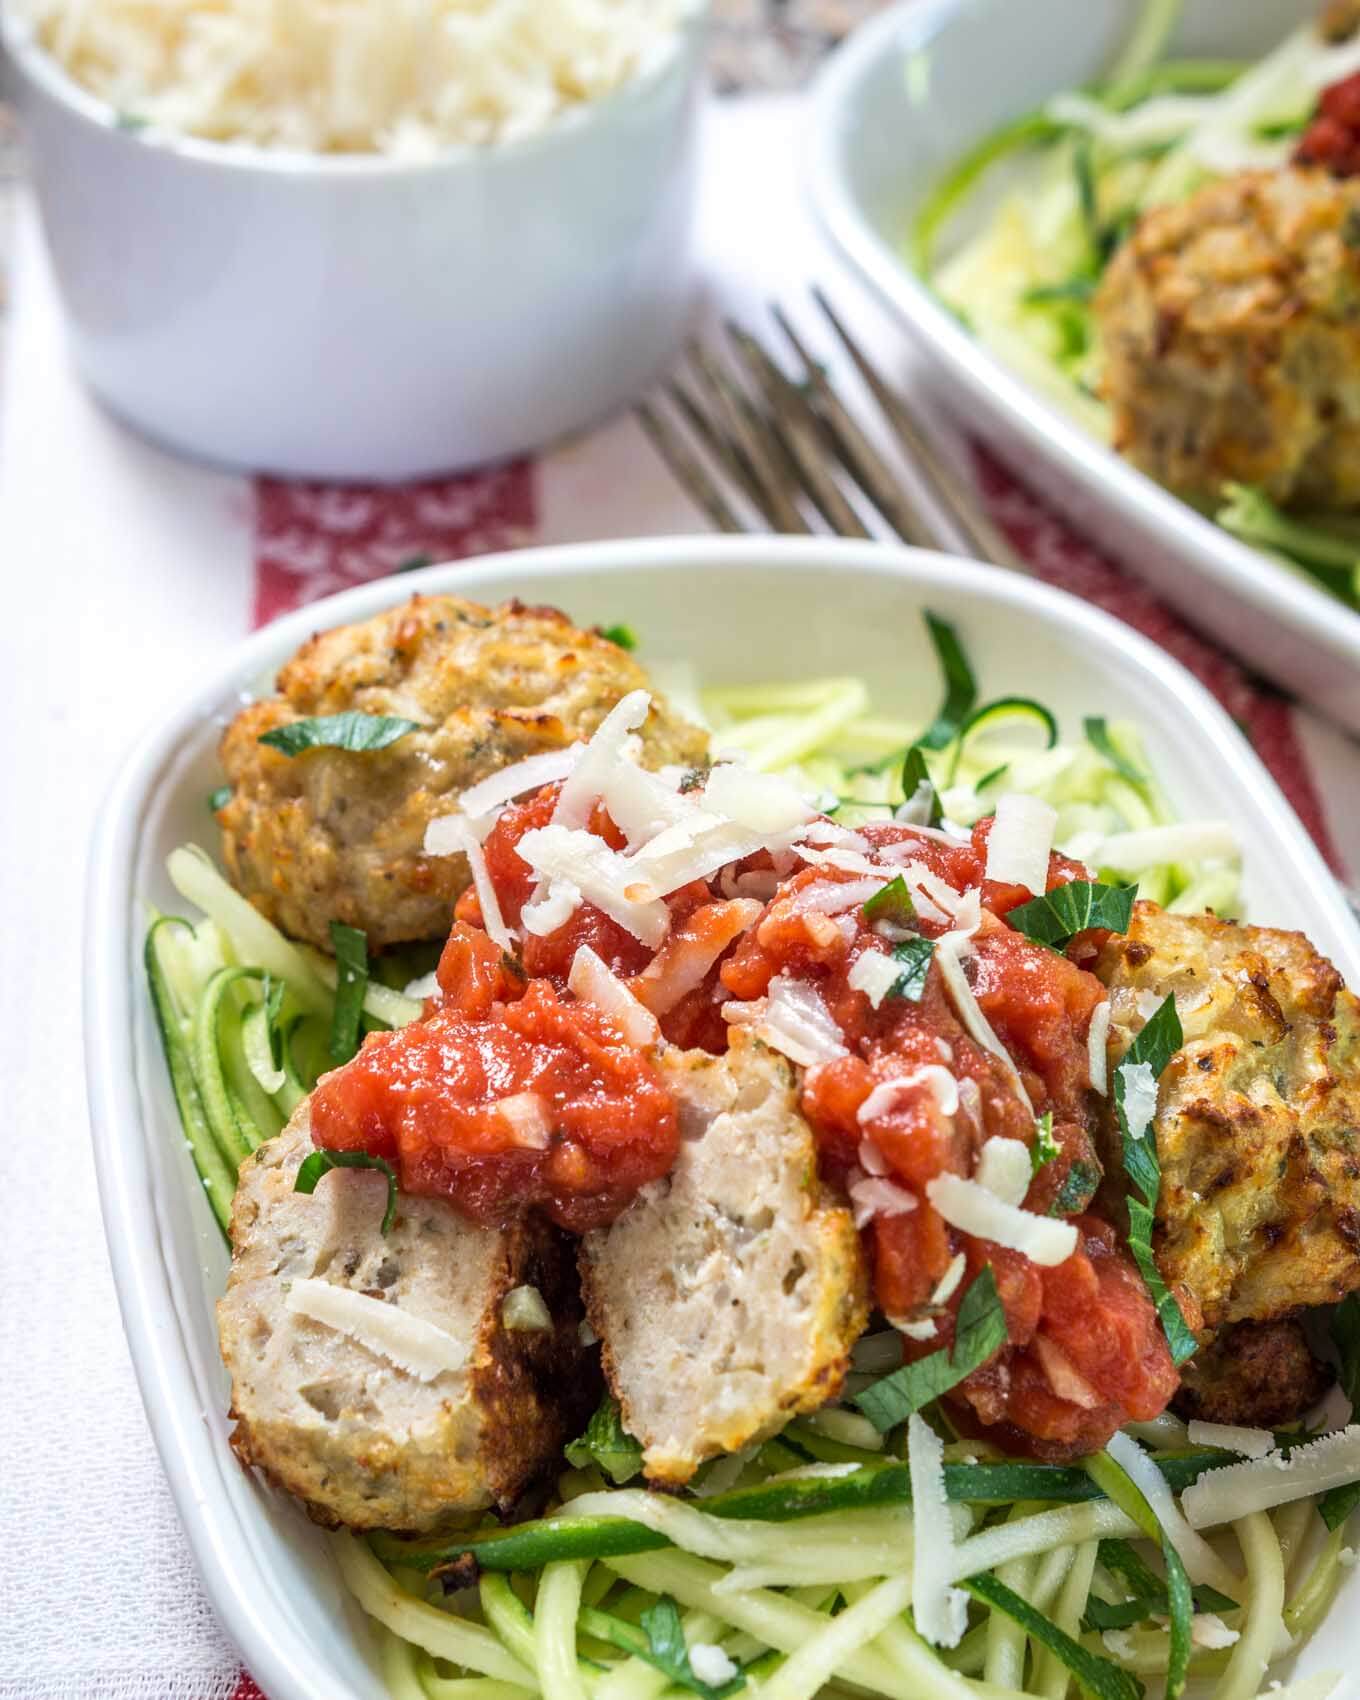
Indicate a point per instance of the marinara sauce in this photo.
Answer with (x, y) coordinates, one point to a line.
(504, 1096)
(1086, 1353)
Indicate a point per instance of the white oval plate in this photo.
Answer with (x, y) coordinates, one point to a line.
(881, 138)
(743, 609)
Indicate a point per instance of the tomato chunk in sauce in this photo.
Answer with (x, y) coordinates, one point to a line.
(504, 1096)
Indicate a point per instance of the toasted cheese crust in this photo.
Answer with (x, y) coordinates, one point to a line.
(1258, 1118)
(729, 1294)
(361, 1442)
(339, 835)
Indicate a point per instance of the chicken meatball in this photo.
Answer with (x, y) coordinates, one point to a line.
(729, 1294)
(1230, 328)
(1258, 1115)
(323, 1312)
(338, 835)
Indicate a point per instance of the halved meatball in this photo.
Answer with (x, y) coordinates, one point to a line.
(1258, 1118)
(1230, 328)
(729, 1294)
(339, 835)
(361, 1441)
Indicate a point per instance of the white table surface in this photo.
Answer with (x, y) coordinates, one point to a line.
(127, 570)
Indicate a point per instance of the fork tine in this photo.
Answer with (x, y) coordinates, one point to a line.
(686, 469)
(985, 538)
(858, 453)
(729, 455)
(800, 430)
(758, 445)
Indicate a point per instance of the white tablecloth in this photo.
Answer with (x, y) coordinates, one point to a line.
(125, 572)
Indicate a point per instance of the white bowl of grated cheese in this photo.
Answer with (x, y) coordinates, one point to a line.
(430, 257)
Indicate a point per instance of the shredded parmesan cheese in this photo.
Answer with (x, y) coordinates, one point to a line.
(972, 1209)
(594, 982)
(412, 1344)
(1097, 1038)
(874, 973)
(1140, 1096)
(940, 1611)
(969, 1010)
(1260, 1484)
(798, 1024)
(1248, 1442)
(1005, 1168)
(497, 789)
(449, 836)
(1021, 841)
(872, 1196)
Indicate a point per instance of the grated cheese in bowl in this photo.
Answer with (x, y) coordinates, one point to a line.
(404, 78)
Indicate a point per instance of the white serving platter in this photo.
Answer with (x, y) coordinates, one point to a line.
(737, 609)
(895, 107)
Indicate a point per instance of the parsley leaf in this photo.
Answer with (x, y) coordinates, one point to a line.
(1079, 1187)
(1182, 1342)
(893, 903)
(1098, 736)
(607, 1443)
(624, 636)
(960, 687)
(1059, 915)
(915, 956)
(321, 1162)
(917, 784)
(979, 1330)
(219, 799)
(349, 731)
(1098, 1678)
(351, 961)
(666, 1651)
(1150, 1595)
(1345, 1331)
(1045, 1147)
(1159, 1040)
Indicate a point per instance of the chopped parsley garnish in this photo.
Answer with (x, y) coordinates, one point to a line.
(349, 731)
(893, 904)
(1154, 1047)
(607, 1443)
(351, 962)
(320, 1162)
(960, 693)
(658, 1638)
(979, 1330)
(1059, 915)
(919, 788)
(1079, 1187)
(624, 636)
(1045, 1147)
(219, 799)
(1149, 1591)
(1098, 736)
(414, 563)
(914, 954)
(1336, 1505)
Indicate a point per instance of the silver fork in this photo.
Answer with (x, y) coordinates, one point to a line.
(767, 444)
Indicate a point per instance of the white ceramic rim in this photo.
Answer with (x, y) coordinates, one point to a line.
(31, 60)
(267, 1642)
(1220, 557)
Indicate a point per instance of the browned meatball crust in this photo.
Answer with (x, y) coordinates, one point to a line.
(339, 835)
(1256, 1374)
(1258, 1116)
(1230, 326)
